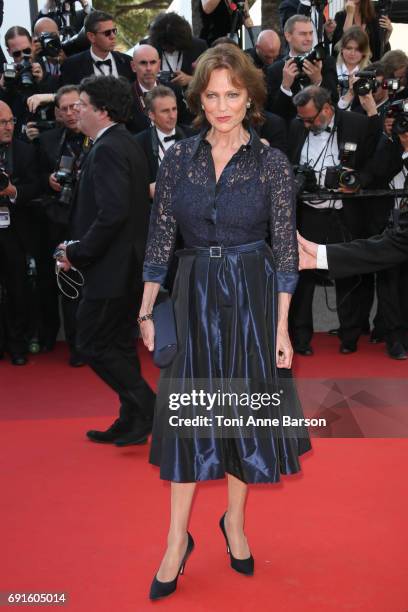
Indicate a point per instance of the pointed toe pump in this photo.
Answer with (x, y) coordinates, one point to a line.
(158, 590)
(243, 566)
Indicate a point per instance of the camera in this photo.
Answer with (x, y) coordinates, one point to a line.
(165, 76)
(39, 119)
(305, 178)
(342, 176)
(19, 75)
(383, 8)
(50, 44)
(367, 82)
(65, 176)
(397, 107)
(398, 110)
(316, 54)
(4, 180)
(393, 85)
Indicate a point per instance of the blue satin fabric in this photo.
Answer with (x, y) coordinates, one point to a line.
(226, 313)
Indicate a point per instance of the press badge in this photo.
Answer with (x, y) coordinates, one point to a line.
(4, 216)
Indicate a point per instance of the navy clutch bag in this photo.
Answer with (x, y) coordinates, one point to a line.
(165, 333)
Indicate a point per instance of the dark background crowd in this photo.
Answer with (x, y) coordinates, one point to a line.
(335, 106)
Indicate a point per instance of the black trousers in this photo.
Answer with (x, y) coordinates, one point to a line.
(106, 339)
(325, 226)
(13, 275)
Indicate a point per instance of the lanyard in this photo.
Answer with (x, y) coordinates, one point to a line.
(178, 63)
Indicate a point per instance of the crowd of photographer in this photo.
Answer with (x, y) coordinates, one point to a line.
(336, 106)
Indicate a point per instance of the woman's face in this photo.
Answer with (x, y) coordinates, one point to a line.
(225, 104)
(351, 54)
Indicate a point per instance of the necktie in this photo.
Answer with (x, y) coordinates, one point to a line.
(168, 138)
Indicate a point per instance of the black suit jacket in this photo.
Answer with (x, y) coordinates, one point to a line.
(351, 127)
(78, 66)
(110, 216)
(148, 141)
(281, 104)
(274, 131)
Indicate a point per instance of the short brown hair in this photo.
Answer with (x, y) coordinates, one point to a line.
(357, 35)
(161, 91)
(65, 89)
(392, 61)
(243, 74)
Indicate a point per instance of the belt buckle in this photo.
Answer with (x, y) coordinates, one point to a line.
(215, 251)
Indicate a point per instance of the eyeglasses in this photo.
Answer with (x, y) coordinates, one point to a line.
(107, 33)
(26, 51)
(5, 122)
(309, 120)
(147, 63)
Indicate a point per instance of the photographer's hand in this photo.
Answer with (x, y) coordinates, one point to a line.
(55, 186)
(313, 71)
(289, 73)
(385, 24)
(182, 78)
(62, 258)
(38, 72)
(9, 192)
(32, 131)
(33, 102)
(368, 104)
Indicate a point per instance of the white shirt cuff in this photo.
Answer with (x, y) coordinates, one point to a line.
(405, 155)
(343, 104)
(287, 92)
(12, 200)
(322, 263)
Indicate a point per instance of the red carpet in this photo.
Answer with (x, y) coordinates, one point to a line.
(91, 519)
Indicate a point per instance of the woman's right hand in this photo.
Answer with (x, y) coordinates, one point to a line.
(350, 7)
(147, 332)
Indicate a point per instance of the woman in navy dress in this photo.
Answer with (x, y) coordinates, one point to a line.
(230, 196)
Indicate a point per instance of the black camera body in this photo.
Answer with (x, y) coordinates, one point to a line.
(383, 8)
(50, 44)
(398, 110)
(19, 75)
(343, 175)
(65, 176)
(367, 82)
(316, 54)
(305, 178)
(165, 76)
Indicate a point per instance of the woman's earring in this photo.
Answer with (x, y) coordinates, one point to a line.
(248, 104)
(202, 106)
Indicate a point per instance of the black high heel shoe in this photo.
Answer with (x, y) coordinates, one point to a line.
(163, 589)
(243, 566)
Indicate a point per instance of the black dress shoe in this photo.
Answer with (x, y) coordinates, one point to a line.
(376, 338)
(306, 351)
(18, 360)
(138, 435)
(75, 361)
(347, 348)
(117, 429)
(396, 351)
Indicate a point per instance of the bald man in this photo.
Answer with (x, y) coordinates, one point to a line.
(50, 61)
(146, 66)
(21, 184)
(267, 49)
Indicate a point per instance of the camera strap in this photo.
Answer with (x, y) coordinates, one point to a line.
(178, 62)
(74, 283)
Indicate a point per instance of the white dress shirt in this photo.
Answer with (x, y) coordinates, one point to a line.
(172, 61)
(104, 70)
(312, 155)
(163, 146)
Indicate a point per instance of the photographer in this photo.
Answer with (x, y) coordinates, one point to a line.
(362, 13)
(217, 18)
(19, 184)
(61, 152)
(319, 139)
(63, 13)
(178, 49)
(287, 77)
(23, 78)
(354, 55)
(47, 48)
(267, 49)
(100, 59)
(146, 66)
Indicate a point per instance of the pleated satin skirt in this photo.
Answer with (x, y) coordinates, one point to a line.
(226, 315)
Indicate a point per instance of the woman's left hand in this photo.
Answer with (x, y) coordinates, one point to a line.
(284, 350)
(385, 23)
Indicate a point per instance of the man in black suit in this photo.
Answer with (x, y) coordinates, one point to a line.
(266, 50)
(100, 59)
(316, 140)
(18, 163)
(381, 252)
(284, 80)
(109, 228)
(161, 106)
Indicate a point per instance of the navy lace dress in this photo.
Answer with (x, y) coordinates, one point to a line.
(225, 303)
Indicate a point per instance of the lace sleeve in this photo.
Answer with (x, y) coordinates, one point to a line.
(283, 220)
(163, 226)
